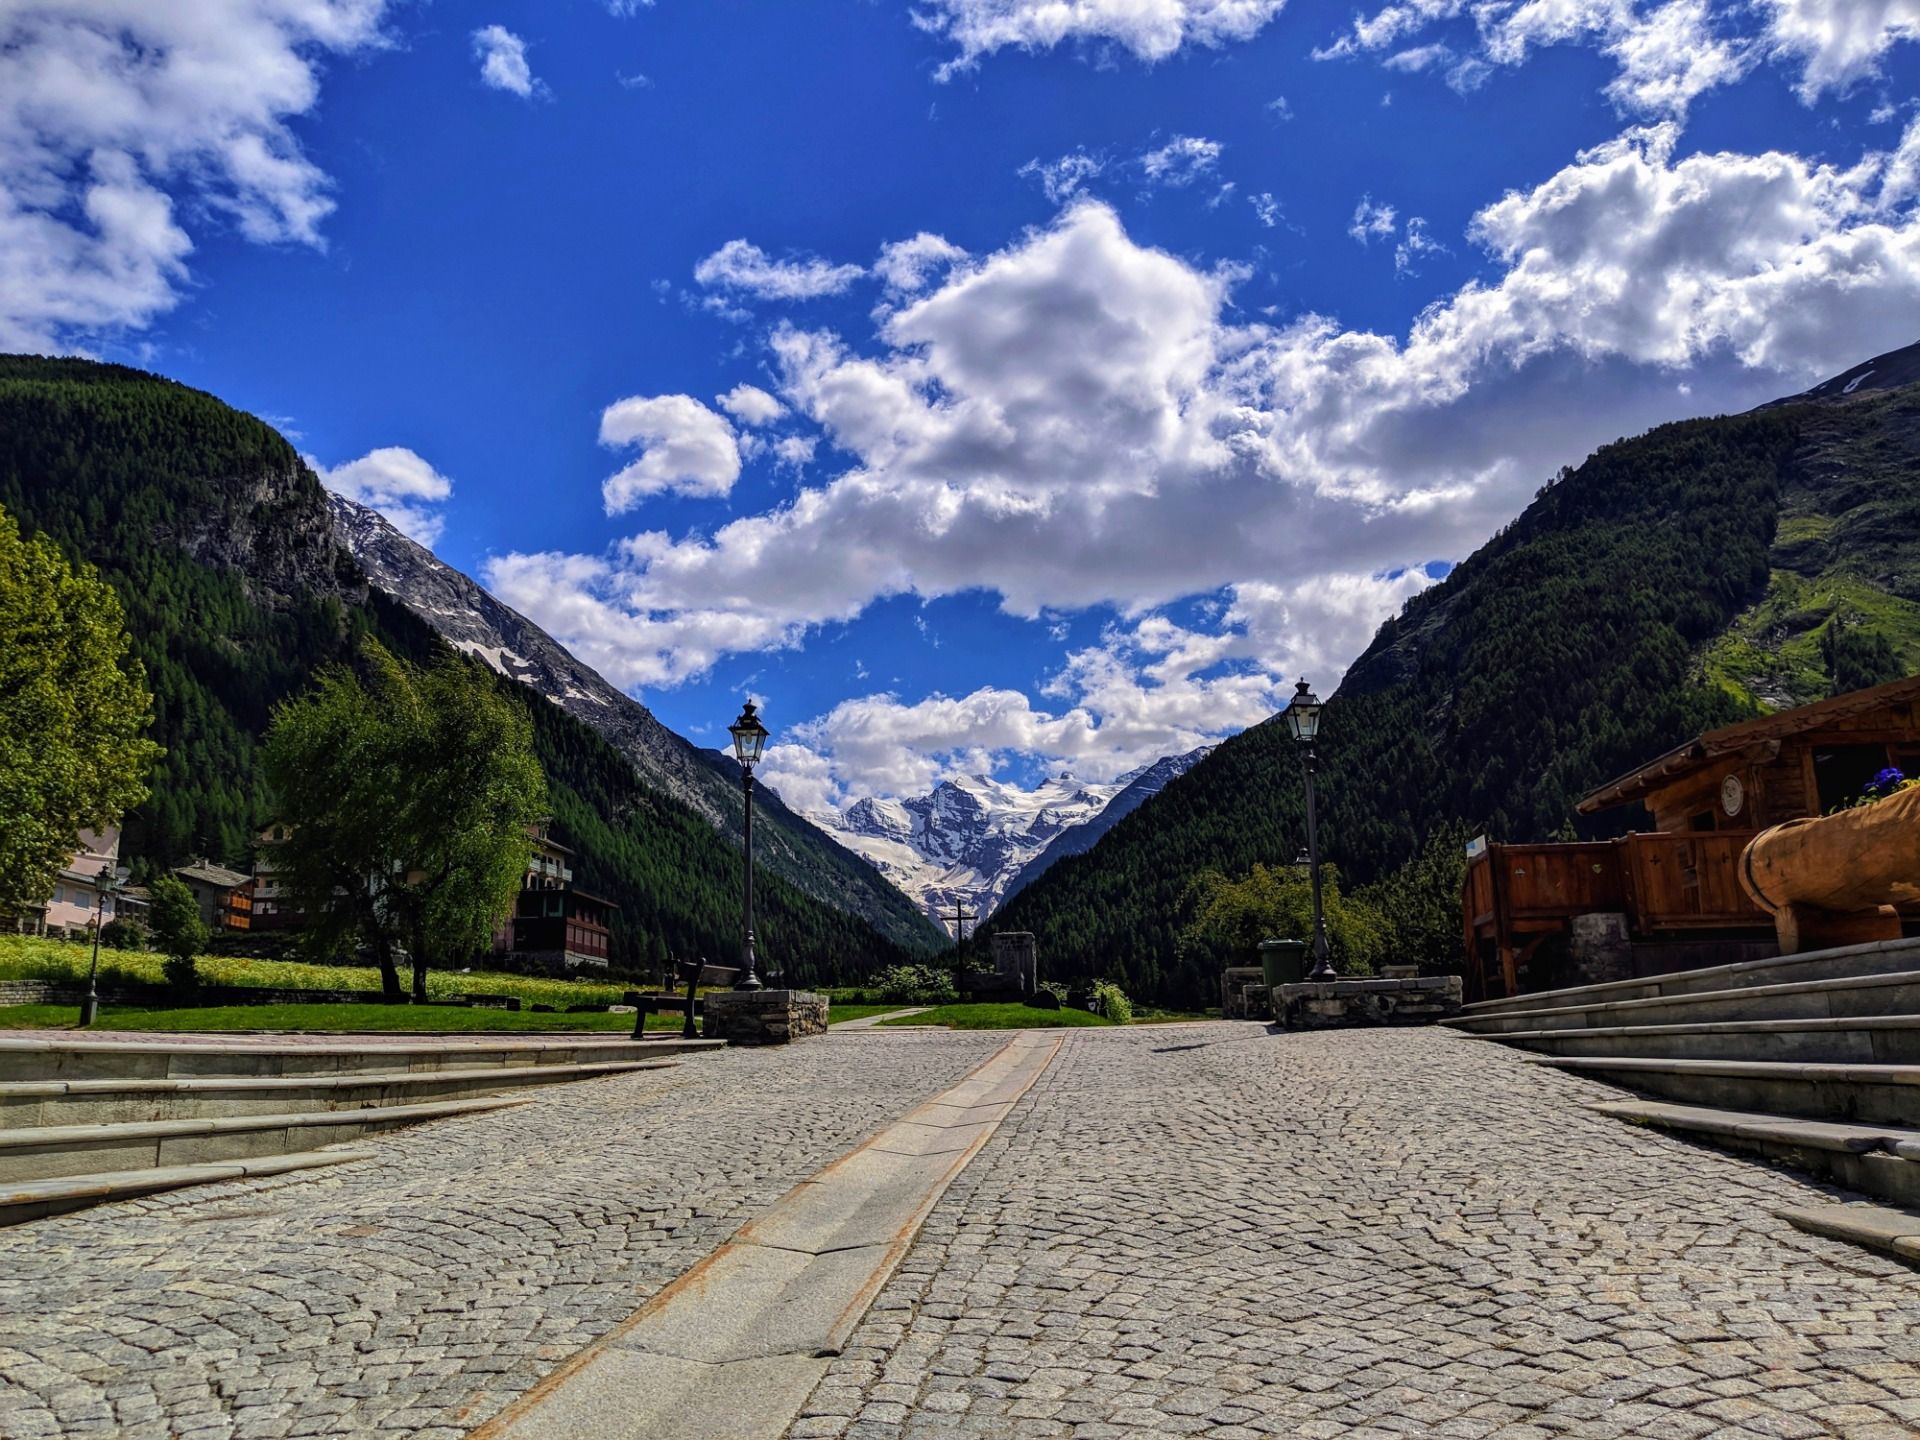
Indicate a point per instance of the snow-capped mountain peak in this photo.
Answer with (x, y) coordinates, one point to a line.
(966, 839)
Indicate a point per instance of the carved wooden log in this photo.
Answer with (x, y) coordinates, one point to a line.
(1833, 879)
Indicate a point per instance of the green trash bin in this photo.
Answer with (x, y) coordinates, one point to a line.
(1283, 962)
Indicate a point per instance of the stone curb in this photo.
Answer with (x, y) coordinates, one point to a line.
(732, 1348)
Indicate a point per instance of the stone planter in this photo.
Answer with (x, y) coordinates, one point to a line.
(764, 1017)
(1358, 1004)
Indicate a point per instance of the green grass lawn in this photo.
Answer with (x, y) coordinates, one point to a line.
(29, 957)
(1000, 1017)
(395, 1019)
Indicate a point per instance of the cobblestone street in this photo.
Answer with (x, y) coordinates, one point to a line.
(1214, 1231)
(417, 1293)
(1180, 1230)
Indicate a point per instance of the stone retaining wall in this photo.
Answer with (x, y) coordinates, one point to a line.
(36, 992)
(1354, 1004)
(63, 992)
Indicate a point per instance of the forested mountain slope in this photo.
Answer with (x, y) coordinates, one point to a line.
(470, 619)
(237, 588)
(1672, 583)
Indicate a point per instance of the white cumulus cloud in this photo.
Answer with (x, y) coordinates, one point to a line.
(751, 405)
(1181, 161)
(1371, 221)
(906, 266)
(503, 62)
(398, 483)
(1078, 420)
(746, 269)
(684, 448)
(1667, 52)
(1066, 176)
(1837, 43)
(122, 124)
(1149, 29)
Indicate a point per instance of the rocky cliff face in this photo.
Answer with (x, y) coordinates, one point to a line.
(470, 619)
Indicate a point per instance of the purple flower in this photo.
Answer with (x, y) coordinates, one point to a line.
(1885, 783)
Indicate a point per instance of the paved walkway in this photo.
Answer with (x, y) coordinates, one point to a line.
(1215, 1231)
(1193, 1230)
(418, 1292)
(867, 1022)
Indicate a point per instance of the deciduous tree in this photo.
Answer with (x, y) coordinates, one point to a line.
(74, 712)
(409, 793)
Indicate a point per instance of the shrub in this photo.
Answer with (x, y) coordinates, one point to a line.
(177, 929)
(914, 985)
(1111, 1001)
(124, 934)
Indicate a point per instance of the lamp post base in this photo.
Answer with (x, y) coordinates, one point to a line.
(749, 975)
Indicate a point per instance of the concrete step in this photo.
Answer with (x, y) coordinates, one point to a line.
(52, 1151)
(1857, 1040)
(155, 1057)
(1871, 1094)
(1874, 1159)
(1874, 1227)
(1879, 958)
(28, 1103)
(1897, 993)
(33, 1199)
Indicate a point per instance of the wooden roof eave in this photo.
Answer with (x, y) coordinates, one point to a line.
(1682, 760)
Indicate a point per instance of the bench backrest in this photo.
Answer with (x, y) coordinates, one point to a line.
(708, 974)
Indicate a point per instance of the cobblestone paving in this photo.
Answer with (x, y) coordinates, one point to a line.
(1212, 1231)
(418, 1292)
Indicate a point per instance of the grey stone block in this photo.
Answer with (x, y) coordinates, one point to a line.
(629, 1395)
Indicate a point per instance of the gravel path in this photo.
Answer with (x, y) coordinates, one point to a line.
(416, 1293)
(1220, 1232)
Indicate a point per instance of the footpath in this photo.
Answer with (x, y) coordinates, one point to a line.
(1184, 1230)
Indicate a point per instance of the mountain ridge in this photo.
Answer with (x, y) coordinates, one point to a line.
(965, 840)
(474, 621)
(237, 590)
(1681, 579)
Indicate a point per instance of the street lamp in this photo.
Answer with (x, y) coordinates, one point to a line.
(110, 880)
(749, 739)
(1303, 719)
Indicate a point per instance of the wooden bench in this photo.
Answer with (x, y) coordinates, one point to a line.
(694, 974)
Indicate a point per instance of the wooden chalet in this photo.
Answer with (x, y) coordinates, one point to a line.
(555, 924)
(1538, 916)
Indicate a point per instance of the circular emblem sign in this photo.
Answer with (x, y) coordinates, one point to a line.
(1733, 794)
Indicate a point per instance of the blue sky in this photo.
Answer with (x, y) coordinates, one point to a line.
(1109, 362)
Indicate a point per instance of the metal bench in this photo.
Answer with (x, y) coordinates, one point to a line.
(694, 974)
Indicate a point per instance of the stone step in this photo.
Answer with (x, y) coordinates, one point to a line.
(1897, 993)
(52, 1151)
(1874, 1159)
(153, 1057)
(1869, 1094)
(1858, 1040)
(33, 1199)
(29, 1103)
(1874, 1227)
(1880, 957)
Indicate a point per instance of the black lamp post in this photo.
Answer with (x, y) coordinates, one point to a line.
(107, 885)
(1303, 719)
(749, 739)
